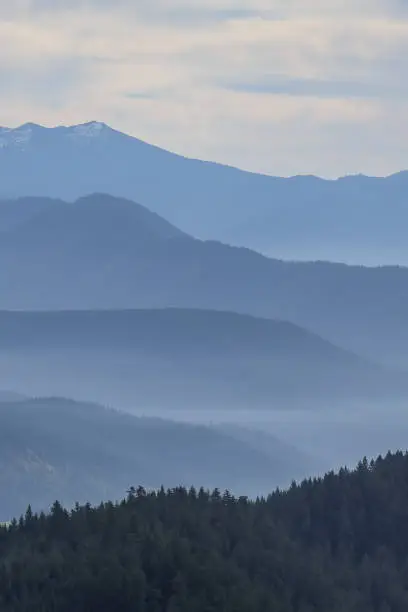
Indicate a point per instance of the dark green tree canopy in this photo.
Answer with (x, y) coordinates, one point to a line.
(337, 544)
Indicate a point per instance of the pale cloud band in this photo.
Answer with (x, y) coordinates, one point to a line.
(275, 86)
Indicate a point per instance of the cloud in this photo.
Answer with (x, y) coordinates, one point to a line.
(324, 88)
(187, 11)
(141, 95)
(280, 86)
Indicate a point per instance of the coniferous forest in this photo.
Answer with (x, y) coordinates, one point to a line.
(333, 544)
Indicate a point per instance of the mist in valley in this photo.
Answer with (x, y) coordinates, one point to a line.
(262, 371)
(278, 439)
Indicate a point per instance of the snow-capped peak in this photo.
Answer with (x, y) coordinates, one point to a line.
(20, 137)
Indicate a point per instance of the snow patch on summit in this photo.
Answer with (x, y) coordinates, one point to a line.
(21, 138)
(88, 130)
(18, 137)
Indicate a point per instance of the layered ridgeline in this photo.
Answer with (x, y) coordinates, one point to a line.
(104, 252)
(59, 449)
(337, 543)
(172, 359)
(355, 219)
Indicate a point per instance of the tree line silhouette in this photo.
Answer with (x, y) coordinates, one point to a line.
(337, 543)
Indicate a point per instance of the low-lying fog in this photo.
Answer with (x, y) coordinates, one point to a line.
(332, 434)
(334, 437)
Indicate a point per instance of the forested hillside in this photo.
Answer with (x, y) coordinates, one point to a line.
(336, 544)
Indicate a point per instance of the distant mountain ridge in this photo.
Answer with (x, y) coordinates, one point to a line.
(104, 252)
(96, 221)
(178, 359)
(356, 219)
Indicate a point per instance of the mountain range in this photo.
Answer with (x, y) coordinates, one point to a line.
(355, 219)
(105, 300)
(107, 252)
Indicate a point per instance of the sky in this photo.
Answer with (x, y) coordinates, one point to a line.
(282, 87)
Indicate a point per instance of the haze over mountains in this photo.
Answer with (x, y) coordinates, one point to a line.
(184, 360)
(103, 299)
(106, 252)
(355, 219)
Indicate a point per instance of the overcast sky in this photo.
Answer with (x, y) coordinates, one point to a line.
(276, 86)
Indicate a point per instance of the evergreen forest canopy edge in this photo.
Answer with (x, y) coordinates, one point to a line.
(336, 543)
